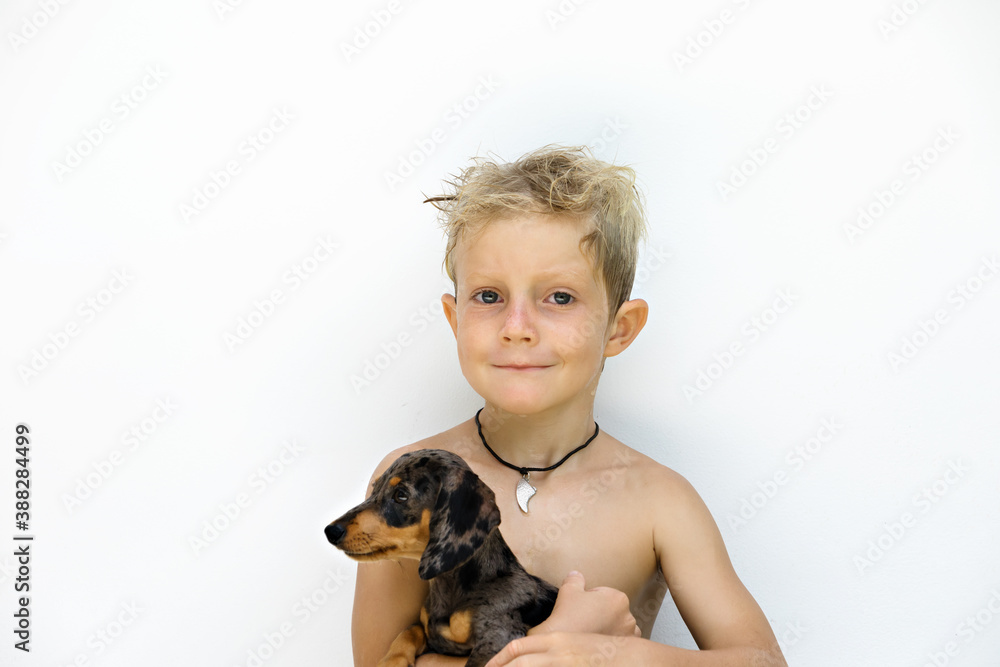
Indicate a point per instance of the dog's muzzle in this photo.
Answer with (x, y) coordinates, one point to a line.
(335, 533)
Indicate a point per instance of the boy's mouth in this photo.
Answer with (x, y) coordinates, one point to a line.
(520, 367)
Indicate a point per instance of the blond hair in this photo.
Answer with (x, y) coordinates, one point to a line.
(554, 180)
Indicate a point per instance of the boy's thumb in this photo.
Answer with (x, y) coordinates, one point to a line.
(574, 578)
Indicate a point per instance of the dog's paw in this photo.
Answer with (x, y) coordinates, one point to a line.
(395, 661)
(405, 648)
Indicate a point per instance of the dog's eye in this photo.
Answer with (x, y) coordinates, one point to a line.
(400, 496)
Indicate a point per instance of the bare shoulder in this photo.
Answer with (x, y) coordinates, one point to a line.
(669, 501)
(446, 440)
(645, 474)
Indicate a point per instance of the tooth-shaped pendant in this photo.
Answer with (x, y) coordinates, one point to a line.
(524, 492)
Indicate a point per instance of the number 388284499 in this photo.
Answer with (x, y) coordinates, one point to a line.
(22, 474)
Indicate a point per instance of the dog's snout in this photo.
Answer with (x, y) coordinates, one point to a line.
(335, 532)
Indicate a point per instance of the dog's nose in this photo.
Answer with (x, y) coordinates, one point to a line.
(334, 532)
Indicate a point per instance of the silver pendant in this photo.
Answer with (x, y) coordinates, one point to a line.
(524, 492)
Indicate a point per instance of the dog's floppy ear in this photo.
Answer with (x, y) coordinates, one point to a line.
(464, 515)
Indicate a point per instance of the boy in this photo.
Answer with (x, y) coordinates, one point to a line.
(542, 253)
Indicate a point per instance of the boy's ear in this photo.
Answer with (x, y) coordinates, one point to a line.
(629, 321)
(451, 311)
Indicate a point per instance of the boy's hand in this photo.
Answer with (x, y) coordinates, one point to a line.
(601, 610)
(561, 649)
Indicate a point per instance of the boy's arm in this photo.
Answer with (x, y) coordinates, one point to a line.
(386, 602)
(387, 598)
(714, 603)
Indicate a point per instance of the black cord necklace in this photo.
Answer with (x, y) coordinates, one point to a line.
(525, 490)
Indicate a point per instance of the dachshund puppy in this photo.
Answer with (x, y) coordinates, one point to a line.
(430, 506)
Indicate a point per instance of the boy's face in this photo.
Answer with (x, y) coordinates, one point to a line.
(530, 315)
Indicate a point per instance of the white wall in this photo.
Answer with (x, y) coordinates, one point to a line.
(120, 560)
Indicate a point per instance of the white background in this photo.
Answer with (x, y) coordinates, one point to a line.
(851, 564)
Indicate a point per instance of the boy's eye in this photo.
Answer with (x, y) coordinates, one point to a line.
(487, 296)
(562, 298)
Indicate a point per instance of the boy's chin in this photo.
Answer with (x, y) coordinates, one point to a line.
(520, 405)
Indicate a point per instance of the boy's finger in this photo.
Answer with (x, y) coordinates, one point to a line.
(574, 579)
(516, 649)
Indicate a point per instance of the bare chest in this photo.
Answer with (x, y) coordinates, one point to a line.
(590, 523)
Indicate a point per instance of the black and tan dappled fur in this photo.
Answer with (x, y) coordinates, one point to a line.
(429, 505)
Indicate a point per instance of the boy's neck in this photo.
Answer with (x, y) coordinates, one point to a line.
(537, 440)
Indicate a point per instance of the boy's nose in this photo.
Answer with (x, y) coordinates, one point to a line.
(518, 324)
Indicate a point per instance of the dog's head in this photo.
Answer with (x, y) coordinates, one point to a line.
(427, 505)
